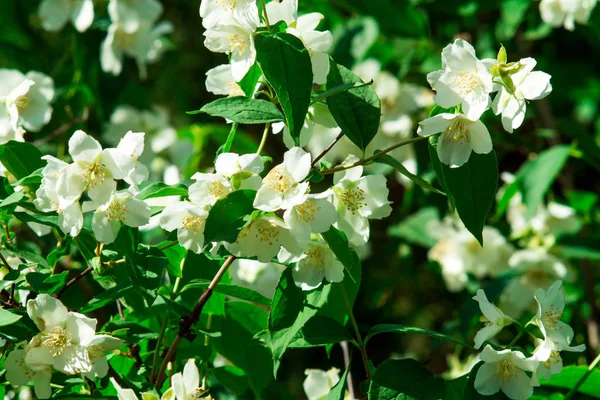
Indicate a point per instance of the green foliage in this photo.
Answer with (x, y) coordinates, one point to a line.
(242, 110)
(408, 377)
(286, 64)
(357, 110)
(226, 217)
(20, 159)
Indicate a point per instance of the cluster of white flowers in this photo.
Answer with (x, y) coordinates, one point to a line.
(24, 103)
(293, 238)
(184, 386)
(230, 28)
(506, 369)
(95, 172)
(67, 343)
(465, 83)
(566, 12)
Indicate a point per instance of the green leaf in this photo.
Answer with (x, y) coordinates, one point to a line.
(45, 283)
(160, 189)
(409, 377)
(473, 188)
(397, 165)
(21, 159)
(248, 82)
(393, 328)
(471, 394)
(455, 388)
(569, 376)
(536, 176)
(338, 89)
(290, 310)
(226, 217)
(358, 110)
(8, 318)
(437, 165)
(34, 178)
(414, 228)
(320, 331)
(339, 390)
(239, 292)
(12, 199)
(512, 14)
(242, 321)
(232, 378)
(40, 218)
(107, 297)
(286, 64)
(341, 249)
(242, 110)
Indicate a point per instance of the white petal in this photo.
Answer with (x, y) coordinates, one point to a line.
(191, 377)
(453, 153)
(513, 115)
(138, 212)
(178, 386)
(105, 229)
(81, 328)
(487, 381)
(73, 360)
(46, 311)
(41, 383)
(307, 277)
(268, 199)
(297, 162)
(83, 147)
(518, 387)
(536, 86)
(82, 14)
(54, 14)
(172, 215)
(479, 138)
(436, 124)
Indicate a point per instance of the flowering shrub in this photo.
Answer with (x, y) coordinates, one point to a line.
(363, 171)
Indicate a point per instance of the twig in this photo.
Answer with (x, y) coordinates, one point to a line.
(74, 280)
(346, 353)
(327, 149)
(120, 309)
(6, 264)
(373, 157)
(187, 322)
(263, 140)
(169, 245)
(361, 344)
(581, 380)
(63, 128)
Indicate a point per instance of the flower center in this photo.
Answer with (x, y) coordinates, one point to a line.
(57, 341)
(315, 258)
(94, 175)
(116, 211)
(551, 317)
(306, 211)
(217, 189)
(193, 222)
(234, 89)
(22, 102)
(353, 199)
(466, 82)
(506, 370)
(238, 43)
(555, 358)
(95, 351)
(268, 233)
(278, 180)
(457, 132)
(485, 321)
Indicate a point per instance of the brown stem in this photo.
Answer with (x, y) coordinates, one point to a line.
(6, 264)
(168, 245)
(63, 128)
(74, 280)
(327, 149)
(187, 322)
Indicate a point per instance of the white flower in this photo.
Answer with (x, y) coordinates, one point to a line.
(566, 12)
(145, 45)
(189, 220)
(527, 85)
(20, 373)
(220, 81)
(493, 318)
(129, 394)
(67, 340)
(55, 13)
(505, 370)
(315, 263)
(463, 79)
(186, 385)
(551, 304)
(214, 12)
(26, 98)
(550, 362)
(318, 383)
(315, 214)
(459, 253)
(235, 36)
(121, 207)
(460, 136)
(262, 238)
(282, 187)
(132, 13)
(242, 171)
(7, 132)
(93, 169)
(357, 199)
(256, 275)
(132, 145)
(535, 269)
(209, 188)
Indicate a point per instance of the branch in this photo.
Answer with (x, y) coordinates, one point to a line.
(63, 128)
(73, 281)
(373, 157)
(317, 158)
(187, 322)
